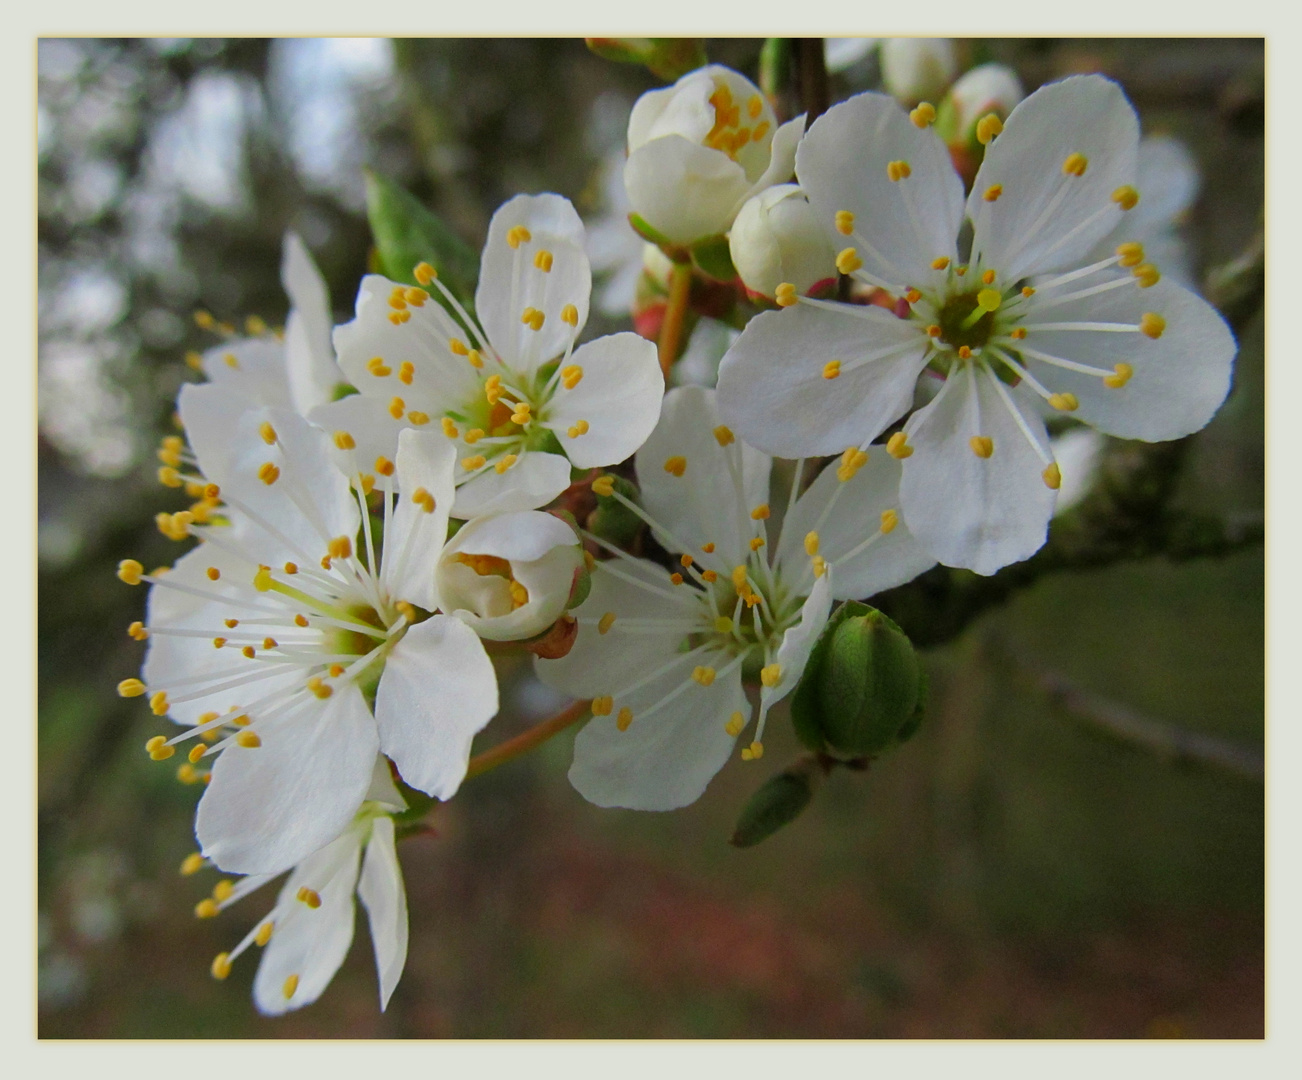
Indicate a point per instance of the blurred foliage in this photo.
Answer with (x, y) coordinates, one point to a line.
(1009, 872)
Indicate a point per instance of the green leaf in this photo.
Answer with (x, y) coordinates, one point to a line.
(407, 233)
(779, 801)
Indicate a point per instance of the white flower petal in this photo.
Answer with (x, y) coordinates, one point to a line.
(385, 899)
(534, 480)
(371, 425)
(969, 511)
(309, 355)
(798, 642)
(665, 758)
(1179, 380)
(682, 109)
(684, 190)
(1077, 452)
(521, 536)
(781, 164)
(856, 515)
(1045, 218)
(382, 789)
(415, 538)
(510, 281)
(252, 367)
(772, 388)
(618, 398)
(843, 164)
(309, 944)
(438, 689)
(711, 502)
(269, 807)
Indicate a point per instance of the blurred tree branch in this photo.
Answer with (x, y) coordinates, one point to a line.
(1126, 516)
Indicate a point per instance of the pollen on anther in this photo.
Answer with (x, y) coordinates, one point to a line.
(940, 263)
(601, 706)
(676, 579)
(571, 376)
(770, 675)
(579, 427)
(341, 547)
(735, 723)
(345, 441)
(982, 445)
(898, 170)
(1147, 275)
(785, 295)
(676, 465)
(703, 675)
(264, 933)
(753, 752)
(406, 372)
(543, 260)
(267, 432)
(310, 897)
(923, 115)
(476, 461)
(624, 718)
(533, 318)
(1018, 333)
(988, 127)
(192, 864)
(291, 984)
(606, 622)
(934, 331)
(423, 499)
(570, 315)
(505, 463)
(992, 193)
(723, 435)
(1075, 165)
(708, 548)
(1052, 476)
(1065, 402)
(206, 909)
(268, 473)
(300, 620)
(137, 631)
(249, 652)
(964, 352)
(158, 703)
(848, 261)
(844, 222)
(1152, 325)
(832, 369)
(424, 273)
(1126, 197)
(518, 235)
(1130, 254)
(760, 513)
(1122, 375)
(890, 519)
(384, 466)
(756, 542)
(604, 485)
(131, 688)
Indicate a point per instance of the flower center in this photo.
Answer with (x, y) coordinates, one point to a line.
(968, 319)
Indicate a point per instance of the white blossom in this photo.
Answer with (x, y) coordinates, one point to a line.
(777, 238)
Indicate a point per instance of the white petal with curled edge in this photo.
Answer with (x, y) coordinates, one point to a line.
(682, 109)
(843, 163)
(310, 943)
(310, 358)
(891, 559)
(782, 158)
(415, 538)
(666, 758)
(534, 480)
(369, 422)
(509, 275)
(773, 393)
(798, 642)
(252, 367)
(437, 691)
(711, 502)
(968, 511)
(173, 658)
(522, 536)
(1046, 219)
(601, 663)
(385, 899)
(618, 398)
(684, 190)
(441, 379)
(1179, 380)
(269, 807)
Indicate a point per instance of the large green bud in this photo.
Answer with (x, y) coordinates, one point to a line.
(863, 689)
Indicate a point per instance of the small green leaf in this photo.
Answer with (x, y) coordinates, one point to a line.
(779, 801)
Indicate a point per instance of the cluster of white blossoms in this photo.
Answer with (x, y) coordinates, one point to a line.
(370, 502)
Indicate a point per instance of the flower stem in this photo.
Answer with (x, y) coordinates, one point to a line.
(671, 330)
(526, 741)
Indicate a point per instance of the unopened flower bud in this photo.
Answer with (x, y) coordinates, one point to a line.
(777, 238)
(915, 69)
(863, 687)
(990, 88)
(666, 57)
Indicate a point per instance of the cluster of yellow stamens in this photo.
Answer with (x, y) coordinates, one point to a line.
(728, 133)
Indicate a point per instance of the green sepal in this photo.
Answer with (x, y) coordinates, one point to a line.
(343, 390)
(612, 520)
(651, 235)
(667, 58)
(778, 802)
(713, 258)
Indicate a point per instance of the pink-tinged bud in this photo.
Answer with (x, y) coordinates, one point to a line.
(990, 88)
(777, 238)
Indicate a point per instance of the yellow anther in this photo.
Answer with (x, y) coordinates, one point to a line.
(1065, 402)
(898, 446)
(739, 579)
(474, 435)
(416, 297)
(988, 127)
(819, 564)
(341, 547)
(520, 414)
(1151, 325)
(449, 428)
(384, 466)
(848, 261)
(753, 752)
(476, 361)
(708, 548)
(543, 260)
(934, 331)
(377, 367)
(533, 318)
(1125, 197)
(248, 739)
(137, 631)
(397, 300)
(231, 360)
(458, 347)
(291, 568)
(735, 723)
(1122, 376)
(518, 235)
(1130, 254)
(606, 622)
(345, 441)
(267, 432)
(505, 463)
(756, 542)
(1146, 275)
(206, 909)
(222, 890)
(424, 273)
(397, 407)
(171, 457)
(131, 688)
(988, 277)
(770, 674)
(221, 965)
(406, 372)
(982, 445)
(319, 688)
(685, 559)
(1052, 476)
(845, 222)
(213, 573)
(419, 419)
(754, 106)
(196, 752)
(130, 571)
(262, 579)
(785, 295)
(291, 984)
(310, 897)
(1075, 165)
(992, 193)
(203, 320)
(923, 115)
(270, 643)
(194, 360)
(940, 263)
(338, 669)
(579, 427)
(423, 499)
(604, 485)
(157, 745)
(989, 299)
(169, 477)
(602, 706)
(703, 675)
(889, 520)
(218, 642)
(1018, 333)
(191, 864)
(242, 720)
(570, 315)
(760, 513)
(965, 352)
(477, 461)
(710, 576)
(571, 376)
(898, 170)
(249, 651)
(158, 703)
(268, 473)
(832, 369)
(624, 718)
(493, 388)
(301, 620)
(722, 624)
(264, 934)
(811, 543)
(676, 579)
(913, 296)
(723, 435)
(676, 465)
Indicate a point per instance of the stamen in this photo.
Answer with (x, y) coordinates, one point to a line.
(1151, 325)
(291, 984)
(1126, 197)
(1064, 402)
(735, 723)
(992, 193)
(845, 222)
(988, 127)
(268, 433)
(543, 260)
(898, 170)
(579, 427)
(982, 445)
(703, 675)
(602, 706)
(785, 295)
(1052, 476)
(890, 519)
(676, 465)
(1075, 165)
(1122, 375)
(923, 115)
(832, 369)
(848, 261)
(624, 718)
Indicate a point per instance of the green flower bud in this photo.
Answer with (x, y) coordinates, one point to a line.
(863, 688)
(778, 802)
(668, 58)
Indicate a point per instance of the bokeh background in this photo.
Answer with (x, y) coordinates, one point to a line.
(1015, 870)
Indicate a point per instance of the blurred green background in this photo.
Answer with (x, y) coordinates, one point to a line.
(1013, 871)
